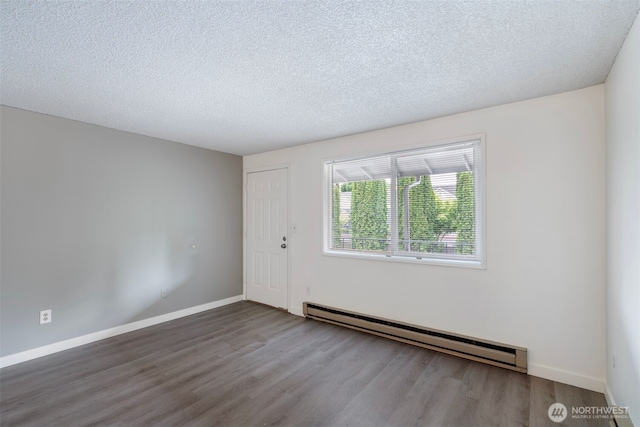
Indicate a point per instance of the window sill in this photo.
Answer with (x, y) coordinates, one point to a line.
(480, 265)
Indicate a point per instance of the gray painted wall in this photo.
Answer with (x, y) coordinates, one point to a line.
(95, 222)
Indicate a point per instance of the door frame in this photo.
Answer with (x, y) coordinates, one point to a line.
(245, 194)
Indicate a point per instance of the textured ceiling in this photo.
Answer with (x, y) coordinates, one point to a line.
(246, 77)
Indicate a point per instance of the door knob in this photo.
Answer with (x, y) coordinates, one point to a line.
(283, 246)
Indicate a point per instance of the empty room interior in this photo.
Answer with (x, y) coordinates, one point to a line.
(327, 213)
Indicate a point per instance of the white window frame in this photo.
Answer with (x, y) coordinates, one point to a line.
(480, 190)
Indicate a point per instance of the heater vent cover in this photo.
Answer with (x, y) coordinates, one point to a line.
(490, 352)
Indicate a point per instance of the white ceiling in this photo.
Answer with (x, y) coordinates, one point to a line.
(247, 77)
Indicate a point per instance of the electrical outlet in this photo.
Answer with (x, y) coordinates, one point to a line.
(163, 293)
(45, 316)
(614, 362)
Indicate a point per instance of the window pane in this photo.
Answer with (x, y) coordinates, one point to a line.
(436, 209)
(361, 217)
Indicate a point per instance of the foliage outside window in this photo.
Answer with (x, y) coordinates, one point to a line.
(420, 204)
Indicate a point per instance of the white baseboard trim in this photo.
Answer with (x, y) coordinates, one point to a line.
(46, 350)
(297, 311)
(608, 395)
(565, 377)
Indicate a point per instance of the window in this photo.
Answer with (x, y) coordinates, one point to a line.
(420, 205)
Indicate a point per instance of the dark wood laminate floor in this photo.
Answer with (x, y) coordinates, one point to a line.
(249, 365)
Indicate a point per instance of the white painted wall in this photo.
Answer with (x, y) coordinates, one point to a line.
(623, 226)
(544, 283)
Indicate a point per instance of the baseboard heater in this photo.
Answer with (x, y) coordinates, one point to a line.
(492, 353)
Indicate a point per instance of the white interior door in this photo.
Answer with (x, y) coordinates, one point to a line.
(267, 240)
